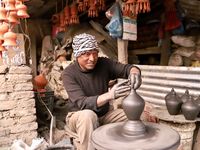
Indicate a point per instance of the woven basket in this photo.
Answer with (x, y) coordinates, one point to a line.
(192, 8)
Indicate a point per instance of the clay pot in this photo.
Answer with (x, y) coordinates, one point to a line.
(40, 81)
(62, 19)
(67, 14)
(173, 103)
(190, 109)
(185, 96)
(3, 13)
(22, 11)
(133, 104)
(1, 47)
(3, 29)
(9, 5)
(13, 18)
(74, 19)
(10, 39)
(197, 101)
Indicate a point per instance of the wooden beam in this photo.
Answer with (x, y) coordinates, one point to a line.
(122, 46)
(145, 51)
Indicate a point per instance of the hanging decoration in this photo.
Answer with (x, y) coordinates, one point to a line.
(132, 8)
(11, 11)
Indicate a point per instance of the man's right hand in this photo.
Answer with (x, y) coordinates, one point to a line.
(120, 89)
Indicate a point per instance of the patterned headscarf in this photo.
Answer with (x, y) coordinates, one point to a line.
(82, 43)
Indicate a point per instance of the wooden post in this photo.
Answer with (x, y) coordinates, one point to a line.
(33, 55)
(122, 46)
(165, 50)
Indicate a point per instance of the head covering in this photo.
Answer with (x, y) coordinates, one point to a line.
(84, 42)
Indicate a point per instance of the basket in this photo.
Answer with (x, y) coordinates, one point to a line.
(46, 97)
(192, 8)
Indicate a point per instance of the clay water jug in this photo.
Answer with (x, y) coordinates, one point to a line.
(197, 101)
(133, 104)
(173, 103)
(185, 96)
(190, 109)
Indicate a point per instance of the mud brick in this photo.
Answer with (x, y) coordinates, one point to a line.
(18, 78)
(20, 70)
(7, 105)
(23, 87)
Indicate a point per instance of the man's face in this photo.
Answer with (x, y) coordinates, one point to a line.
(88, 60)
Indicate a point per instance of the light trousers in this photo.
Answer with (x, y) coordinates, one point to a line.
(81, 124)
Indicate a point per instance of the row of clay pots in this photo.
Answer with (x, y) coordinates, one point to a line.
(183, 104)
(12, 15)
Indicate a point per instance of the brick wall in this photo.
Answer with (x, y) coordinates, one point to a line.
(17, 105)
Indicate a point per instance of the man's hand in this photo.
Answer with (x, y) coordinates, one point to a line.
(135, 80)
(120, 89)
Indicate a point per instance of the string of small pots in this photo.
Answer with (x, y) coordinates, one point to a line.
(11, 11)
(69, 15)
(184, 104)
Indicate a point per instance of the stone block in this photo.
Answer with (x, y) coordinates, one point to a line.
(6, 87)
(21, 94)
(2, 78)
(6, 122)
(18, 78)
(3, 96)
(30, 103)
(6, 141)
(20, 70)
(22, 112)
(23, 86)
(23, 127)
(3, 69)
(27, 119)
(4, 132)
(7, 105)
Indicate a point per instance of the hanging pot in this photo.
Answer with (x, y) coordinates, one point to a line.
(13, 18)
(2, 48)
(67, 14)
(4, 27)
(9, 5)
(3, 13)
(22, 11)
(10, 39)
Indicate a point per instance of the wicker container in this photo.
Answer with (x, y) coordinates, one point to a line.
(192, 8)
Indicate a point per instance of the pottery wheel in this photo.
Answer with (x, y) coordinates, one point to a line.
(156, 137)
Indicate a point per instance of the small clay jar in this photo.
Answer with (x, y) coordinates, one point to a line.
(173, 103)
(190, 109)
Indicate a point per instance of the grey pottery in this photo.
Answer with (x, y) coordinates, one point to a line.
(133, 104)
(190, 109)
(173, 103)
(185, 96)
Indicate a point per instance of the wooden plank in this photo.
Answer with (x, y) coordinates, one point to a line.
(145, 51)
